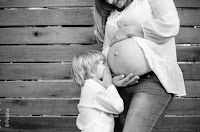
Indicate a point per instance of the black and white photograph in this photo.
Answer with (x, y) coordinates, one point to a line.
(99, 65)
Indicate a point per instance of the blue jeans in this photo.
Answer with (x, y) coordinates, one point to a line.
(145, 104)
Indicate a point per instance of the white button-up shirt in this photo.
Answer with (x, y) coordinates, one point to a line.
(97, 106)
(160, 23)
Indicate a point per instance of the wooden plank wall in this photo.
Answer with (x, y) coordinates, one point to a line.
(38, 39)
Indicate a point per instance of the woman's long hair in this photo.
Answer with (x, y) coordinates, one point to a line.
(101, 11)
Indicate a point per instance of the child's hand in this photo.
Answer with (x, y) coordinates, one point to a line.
(107, 77)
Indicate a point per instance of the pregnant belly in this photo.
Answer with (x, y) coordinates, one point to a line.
(127, 57)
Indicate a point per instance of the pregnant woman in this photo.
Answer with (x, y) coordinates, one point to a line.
(138, 38)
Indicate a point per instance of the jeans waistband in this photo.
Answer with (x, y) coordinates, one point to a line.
(147, 75)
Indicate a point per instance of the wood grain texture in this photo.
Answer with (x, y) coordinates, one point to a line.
(74, 16)
(44, 3)
(188, 35)
(184, 106)
(67, 16)
(47, 35)
(187, 3)
(40, 106)
(190, 71)
(38, 71)
(65, 53)
(68, 35)
(47, 53)
(42, 89)
(189, 17)
(39, 124)
(63, 89)
(67, 124)
(61, 71)
(188, 53)
(61, 3)
(68, 106)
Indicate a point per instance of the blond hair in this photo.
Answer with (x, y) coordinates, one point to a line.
(84, 65)
(100, 13)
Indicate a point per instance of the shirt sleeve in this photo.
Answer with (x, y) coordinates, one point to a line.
(109, 100)
(166, 23)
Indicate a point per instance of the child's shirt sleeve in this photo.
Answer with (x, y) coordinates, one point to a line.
(109, 100)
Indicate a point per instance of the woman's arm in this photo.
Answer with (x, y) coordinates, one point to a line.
(166, 23)
(125, 32)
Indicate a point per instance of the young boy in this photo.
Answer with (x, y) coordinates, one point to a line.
(99, 99)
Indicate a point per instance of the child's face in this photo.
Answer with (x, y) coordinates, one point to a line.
(100, 70)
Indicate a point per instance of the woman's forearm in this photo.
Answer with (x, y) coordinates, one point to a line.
(166, 23)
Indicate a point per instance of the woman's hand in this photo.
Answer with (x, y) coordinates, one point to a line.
(125, 32)
(120, 34)
(122, 81)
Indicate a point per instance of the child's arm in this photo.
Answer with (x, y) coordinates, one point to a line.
(109, 100)
(107, 78)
